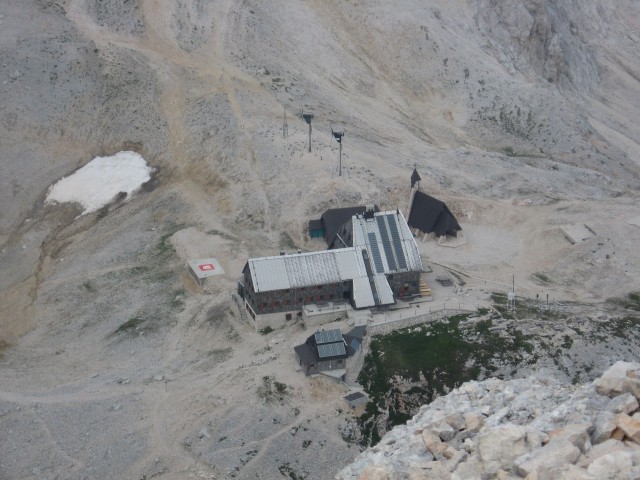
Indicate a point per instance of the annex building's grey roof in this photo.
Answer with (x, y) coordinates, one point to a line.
(328, 350)
(389, 242)
(328, 336)
(306, 269)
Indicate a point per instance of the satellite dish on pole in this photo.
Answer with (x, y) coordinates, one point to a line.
(338, 136)
(307, 118)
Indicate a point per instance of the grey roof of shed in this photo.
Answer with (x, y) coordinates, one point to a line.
(328, 336)
(282, 272)
(389, 242)
(354, 396)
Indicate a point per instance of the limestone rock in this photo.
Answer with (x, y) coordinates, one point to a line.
(629, 426)
(473, 422)
(433, 443)
(552, 456)
(445, 432)
(621, 377)
(375, 473)
(468, 470)
(455, 420)
(576, 434)
(604, 425)
(625, 403)
(499, 447)
(534, 428)
(611, 465)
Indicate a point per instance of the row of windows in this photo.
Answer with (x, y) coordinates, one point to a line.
(278, 304)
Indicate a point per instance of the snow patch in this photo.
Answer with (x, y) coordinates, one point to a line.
(99, 181)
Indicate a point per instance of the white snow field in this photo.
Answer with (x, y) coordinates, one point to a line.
(99, 181)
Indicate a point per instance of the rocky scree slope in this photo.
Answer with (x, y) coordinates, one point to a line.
(536, 428)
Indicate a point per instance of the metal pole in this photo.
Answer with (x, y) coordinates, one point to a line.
(340, 173)
(309, 137)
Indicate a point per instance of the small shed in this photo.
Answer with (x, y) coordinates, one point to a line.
(203, 268)
(316, 229)
(356, 398)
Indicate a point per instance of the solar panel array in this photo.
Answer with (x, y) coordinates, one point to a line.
(331, 350)
(328, 336)
(386, 244)
(375, 251)
(397, 244)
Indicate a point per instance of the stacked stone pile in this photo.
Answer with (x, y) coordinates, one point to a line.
(534, 428)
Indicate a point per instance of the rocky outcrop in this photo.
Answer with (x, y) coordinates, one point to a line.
(550, 39)
(535, 428)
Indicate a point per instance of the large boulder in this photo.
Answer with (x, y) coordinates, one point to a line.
(541, 463)
(499, 447)
(621, 377)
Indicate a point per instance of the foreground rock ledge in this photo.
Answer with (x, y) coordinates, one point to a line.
(534, 428)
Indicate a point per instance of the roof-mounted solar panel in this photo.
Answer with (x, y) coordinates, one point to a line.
(375, 252)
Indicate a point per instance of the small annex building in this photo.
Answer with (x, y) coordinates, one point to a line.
(323, 351)
(356, 398)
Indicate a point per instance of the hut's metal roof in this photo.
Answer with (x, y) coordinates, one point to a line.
(389, 242)
(305, 269)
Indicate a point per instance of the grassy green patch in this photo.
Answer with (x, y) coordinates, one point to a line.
(459, 278)
(266, 330)
(222, 234)
(508, 151)
(541, 278)
(625, 327)
(139, 270)
(272, 390)
(440, 353)
(287, 471)
(630, 302)
(177, 300)
(286, 242)
(134, 323)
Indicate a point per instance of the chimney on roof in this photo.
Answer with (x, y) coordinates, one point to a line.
(369, 211)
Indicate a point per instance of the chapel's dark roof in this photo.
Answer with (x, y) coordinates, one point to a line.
(428, 214)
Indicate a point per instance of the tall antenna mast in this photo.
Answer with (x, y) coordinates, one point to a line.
(338, 136)
(307, 118)
(285, 126)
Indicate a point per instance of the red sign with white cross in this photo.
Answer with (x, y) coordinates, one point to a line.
(205, 267)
